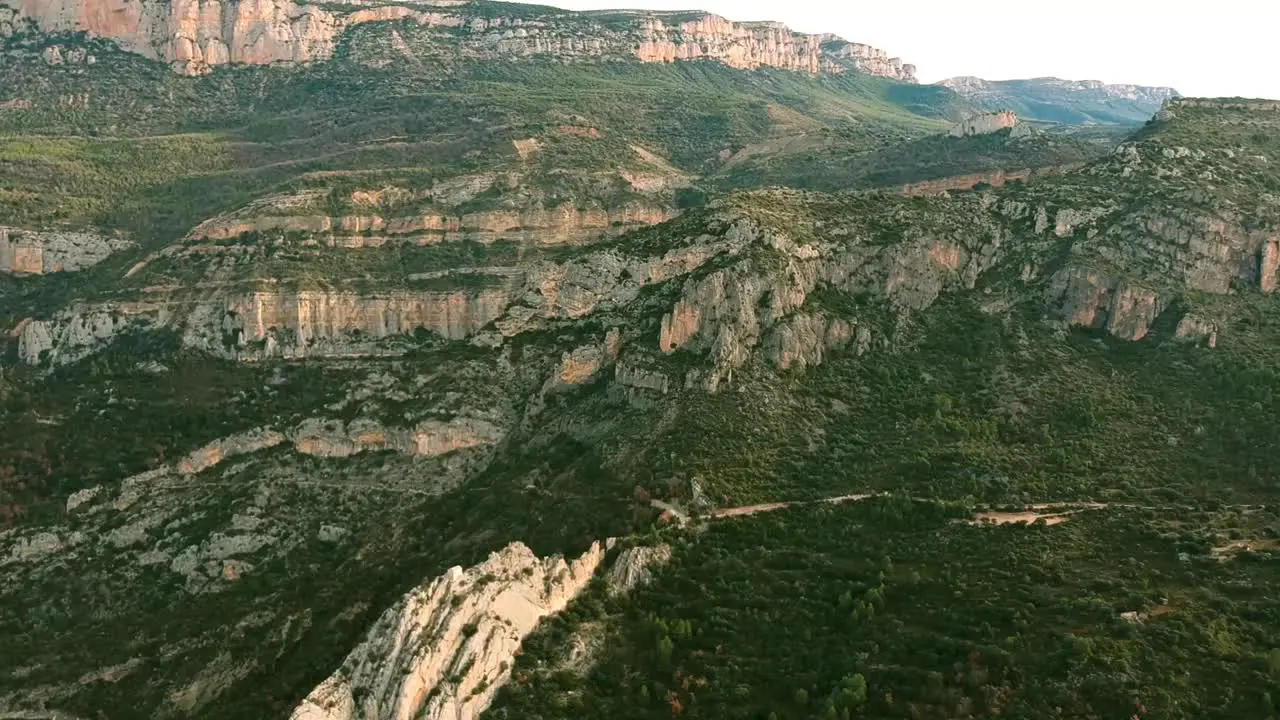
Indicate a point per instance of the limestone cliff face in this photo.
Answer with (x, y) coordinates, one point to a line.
(1126, 267)
(288, 323)
(446, 648)
(328, 438)
(25, 252)
(259, 325)
(562, 226)
(77, 332)
(733, 313)
(752, 45)
(1098, 301)
(218, 318)
(429, 438)
(196, 35)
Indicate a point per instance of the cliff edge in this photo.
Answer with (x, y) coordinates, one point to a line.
(193, 36)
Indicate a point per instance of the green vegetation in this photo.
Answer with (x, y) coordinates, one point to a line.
(892, 609)
(140, 404)
(840, 163)
(232, 592)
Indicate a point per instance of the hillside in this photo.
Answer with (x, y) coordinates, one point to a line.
(453, 359)
(357, 430)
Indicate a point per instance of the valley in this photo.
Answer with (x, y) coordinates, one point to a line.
(477, 359)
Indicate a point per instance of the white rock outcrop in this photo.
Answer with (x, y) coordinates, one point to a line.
(23, 252)
(635, 566)
(445, 649)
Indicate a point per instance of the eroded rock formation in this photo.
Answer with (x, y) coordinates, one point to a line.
(446, 648)
(635, 566)
(193, 36)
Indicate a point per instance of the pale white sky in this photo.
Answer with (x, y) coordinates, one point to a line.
(1200, 47)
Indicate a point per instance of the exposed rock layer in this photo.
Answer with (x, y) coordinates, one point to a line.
(195, 35)
(566, 225)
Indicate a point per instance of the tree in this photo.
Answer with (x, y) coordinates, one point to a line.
(802, 697)
(664, 648)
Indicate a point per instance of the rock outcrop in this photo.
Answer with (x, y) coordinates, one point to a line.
(294, 323)
(446, 648)
(23, 252)
(584, 363)
(985, 124)
(634, 567)
(732, 312)
(205, 457)
(761, 44)
(562, 226)
(194, 35)
(78, 332)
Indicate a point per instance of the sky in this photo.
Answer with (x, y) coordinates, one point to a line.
(1199, 47)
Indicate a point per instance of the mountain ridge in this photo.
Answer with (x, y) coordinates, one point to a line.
(317, 376)
(1059, 101)
(195, 37)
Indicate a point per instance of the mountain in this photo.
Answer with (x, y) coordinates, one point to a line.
(1071, 102)
(427, 380)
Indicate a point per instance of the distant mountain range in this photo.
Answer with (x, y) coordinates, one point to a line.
(193, 39)
(1073, 102)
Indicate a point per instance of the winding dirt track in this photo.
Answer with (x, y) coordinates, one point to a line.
(1028, 514)
(770, 507)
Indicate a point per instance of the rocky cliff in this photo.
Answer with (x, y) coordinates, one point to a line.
(194, 36)
(446, 648)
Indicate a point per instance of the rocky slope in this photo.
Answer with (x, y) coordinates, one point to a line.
(36, 253)
(196, 36)
(447, 647)
(1064, 101)
(382, 322)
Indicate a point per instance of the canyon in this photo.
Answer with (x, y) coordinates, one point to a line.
(455, 359)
